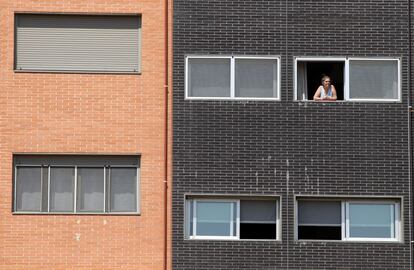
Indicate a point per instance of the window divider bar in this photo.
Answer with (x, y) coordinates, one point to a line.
(393, 220)
(232, 77)
(346, 80)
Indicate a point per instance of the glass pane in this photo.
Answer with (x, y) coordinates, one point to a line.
(373, 79)
(123, 189)
(370, 220)
(319, 212)
(28, 189)
(209, 77)
(256, 78)
(90, 189)
(61, 189)
(258, 211)
(214, 218)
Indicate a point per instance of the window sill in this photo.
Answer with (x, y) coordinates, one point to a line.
(350, 241)
(77, 214)
(348, 101)
(229, 239)
(75, 72)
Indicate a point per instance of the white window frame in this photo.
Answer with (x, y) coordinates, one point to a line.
(345, 219)
(395, 226)
(106, 207)
(346, 61)
(192, 203)
(233, 77)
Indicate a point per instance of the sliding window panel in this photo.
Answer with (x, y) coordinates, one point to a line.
(371, 220)
(123, 189)
(215, 219)
(208, 77)
(90, 196)
(28, 189)
(62, 181)
(319, 220)
(256, 78)
(258, 219)
(373, 79)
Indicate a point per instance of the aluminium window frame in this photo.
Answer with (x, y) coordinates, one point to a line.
(232, 59)
(346, 61)
(192, 202)
(397, 224)
(106, 210)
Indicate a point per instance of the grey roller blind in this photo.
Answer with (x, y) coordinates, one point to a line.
(78, 43)
(258, 211)
(28, 189)
(61, 189)
(123, 189)
(319, 213)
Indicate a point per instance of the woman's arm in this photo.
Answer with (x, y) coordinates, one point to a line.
(334, 96)
(317, 95)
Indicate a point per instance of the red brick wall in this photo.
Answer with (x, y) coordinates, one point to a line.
(84, 113)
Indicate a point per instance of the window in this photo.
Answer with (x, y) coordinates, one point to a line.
(77, 43)
(227, 77)
(232, 219)
(355, 79)
(348, 220)
(76, 184)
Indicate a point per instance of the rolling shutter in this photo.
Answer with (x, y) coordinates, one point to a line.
(83, 43)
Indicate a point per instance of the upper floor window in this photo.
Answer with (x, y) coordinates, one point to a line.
(353, 79)
(77, 43)
(76, 184)
(249, 218)
(355, 220)
(232, 77)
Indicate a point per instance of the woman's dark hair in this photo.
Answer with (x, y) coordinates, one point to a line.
(324, 77)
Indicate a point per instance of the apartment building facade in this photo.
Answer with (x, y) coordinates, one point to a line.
(84, 135)
(267, 178)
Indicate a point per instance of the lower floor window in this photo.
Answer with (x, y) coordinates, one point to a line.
(232, 219)
(348, 220)
(75, 184)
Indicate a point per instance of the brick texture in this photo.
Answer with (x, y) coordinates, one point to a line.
(290, 148)
(84, 113)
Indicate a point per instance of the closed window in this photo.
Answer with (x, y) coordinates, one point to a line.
(77, 43)
(76, 184)
(354, 79)
(348, 220)
(231, 219)
(226, 77)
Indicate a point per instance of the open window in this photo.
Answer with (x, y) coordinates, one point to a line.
(355, 79)
(348, 220)
(231, 219)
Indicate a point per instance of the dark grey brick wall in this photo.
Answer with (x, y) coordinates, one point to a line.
(290, 148)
